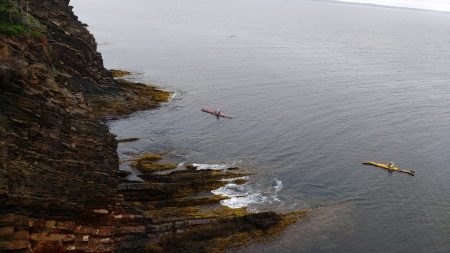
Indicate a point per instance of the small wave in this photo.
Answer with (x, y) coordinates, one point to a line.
(177, 95)
(233, 179)
(204, 166)
(231, 190)
(244, 195)
(104, 43)
(278, 185)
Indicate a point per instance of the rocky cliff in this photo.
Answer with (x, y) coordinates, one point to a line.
(60, 189)
(58, 162)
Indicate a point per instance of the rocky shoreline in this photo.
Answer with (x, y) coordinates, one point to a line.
(60, 186)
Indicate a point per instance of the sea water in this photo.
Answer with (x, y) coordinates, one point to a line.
(314, 88)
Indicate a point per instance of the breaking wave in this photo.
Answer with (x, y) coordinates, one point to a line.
(250, 195)
(244, 195)
(204, 166)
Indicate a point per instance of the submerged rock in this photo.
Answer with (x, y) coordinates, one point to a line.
(127, 140)
(120, 73)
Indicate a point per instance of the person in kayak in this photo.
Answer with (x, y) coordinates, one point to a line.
(390, 166)
(217, 112)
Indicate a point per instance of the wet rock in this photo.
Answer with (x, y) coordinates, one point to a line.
(191, 167)
(127, 140)
(124, 173)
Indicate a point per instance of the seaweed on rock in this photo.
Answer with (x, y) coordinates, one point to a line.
(185, 222)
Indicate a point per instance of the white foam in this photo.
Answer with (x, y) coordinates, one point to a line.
(175, 96)
(278, 186)
(234, 179)
(231, 190)
(204, 166)
(244, 195)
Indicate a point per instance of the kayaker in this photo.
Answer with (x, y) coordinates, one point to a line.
(390, 166)
(217, 112)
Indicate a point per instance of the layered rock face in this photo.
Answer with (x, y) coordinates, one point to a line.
(58, 163)
(51, 144)
(73, 49)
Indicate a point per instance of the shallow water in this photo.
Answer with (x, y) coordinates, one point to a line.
(315, 88)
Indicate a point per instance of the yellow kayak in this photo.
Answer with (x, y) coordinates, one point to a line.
(385, 166)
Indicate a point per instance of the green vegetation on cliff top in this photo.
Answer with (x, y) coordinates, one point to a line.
(14, 20)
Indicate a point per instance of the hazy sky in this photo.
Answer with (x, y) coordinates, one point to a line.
(438, 5)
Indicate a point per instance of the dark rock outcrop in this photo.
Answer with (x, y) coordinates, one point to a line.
(58, 162)
(73, 49)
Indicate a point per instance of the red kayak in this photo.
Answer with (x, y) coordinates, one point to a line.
(214, 112)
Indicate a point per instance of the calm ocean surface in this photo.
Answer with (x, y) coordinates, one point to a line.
(315, 88)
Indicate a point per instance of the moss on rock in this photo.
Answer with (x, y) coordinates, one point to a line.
(145, 164)
(127, 140)
(120, 73)
(150, 157)
(130, 98)
(192, 219)
(226, 232)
